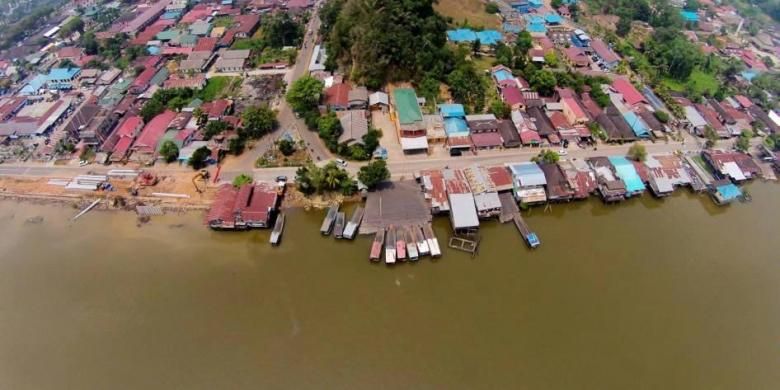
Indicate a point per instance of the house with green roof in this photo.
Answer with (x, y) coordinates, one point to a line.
(409, 120)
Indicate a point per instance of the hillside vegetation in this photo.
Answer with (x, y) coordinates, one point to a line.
(467, 12)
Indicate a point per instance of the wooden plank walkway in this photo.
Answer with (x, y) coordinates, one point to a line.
(530, 237)
(148, 211)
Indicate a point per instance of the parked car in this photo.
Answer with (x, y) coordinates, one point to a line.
(341, 162)
(563, 152)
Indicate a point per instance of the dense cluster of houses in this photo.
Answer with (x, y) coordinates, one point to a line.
(478, 192)
(73, 98)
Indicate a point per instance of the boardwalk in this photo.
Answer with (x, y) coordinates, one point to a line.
(508, 207)
(530, 237)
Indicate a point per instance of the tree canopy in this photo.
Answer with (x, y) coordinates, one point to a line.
(637, 152)
(258, 121)
(169, 151)
(304, 94)
(382, 41)
(242, 179)
(373, 173)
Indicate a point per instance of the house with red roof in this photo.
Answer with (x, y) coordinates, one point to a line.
(573, 111)
(195, 82)
(576, 56)
(250, 206)
(246, 25)
(120, 140)
(69, 53)
(513, 97)
(205, 44)
(145, 147)
(605, 54)
(630, 94)
(217, 109)
(337, 97)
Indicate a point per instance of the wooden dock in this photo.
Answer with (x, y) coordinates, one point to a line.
(464, 244)
(330, 218)
(148, 211)
(508, 207)
(530, 237)
(276, 234)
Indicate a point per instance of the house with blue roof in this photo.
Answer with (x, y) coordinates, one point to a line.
(535, 24)
(625, 170)
(637, 124)
(489, 37)
(536, 3)
(580, 39)
(528, 182)
(521, 6)
(34, 86)
(553, 19)
(725, 192)
(61, 78)
(452, 111)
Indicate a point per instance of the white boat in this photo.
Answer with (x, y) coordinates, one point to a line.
(422, 243)
(411, 245)
(433, 243)
(390, 246)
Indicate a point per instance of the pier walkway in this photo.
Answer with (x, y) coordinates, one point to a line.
(530, 237)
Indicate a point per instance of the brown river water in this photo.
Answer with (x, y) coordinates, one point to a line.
(649, 294)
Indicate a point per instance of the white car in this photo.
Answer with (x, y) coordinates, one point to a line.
(563, 152)
(341, 162)
(83, 163)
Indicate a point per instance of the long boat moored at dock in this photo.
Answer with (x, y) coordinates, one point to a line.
(433, 242)
(330, 218)
(422, 243)
(354, 223)
(376, 246)
(411, 244)
(338, 228)
(276, 234)
(390, 246)
(400, 244)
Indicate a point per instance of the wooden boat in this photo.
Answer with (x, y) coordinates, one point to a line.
(411, 244)
(338, 228)
(400, 244)
(330, 218)
(350, 231)
(433, 243)
(422, 243)
(390, 246)
(276, 234)
(376, 246)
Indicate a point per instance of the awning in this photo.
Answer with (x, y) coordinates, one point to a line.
(414, 143)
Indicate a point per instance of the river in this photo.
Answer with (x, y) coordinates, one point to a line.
(649, 294)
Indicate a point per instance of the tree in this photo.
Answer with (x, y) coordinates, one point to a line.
(551, 59)
(241, 180)
(214, 128)
(476, 46)
(467, 86)
(236, 145)
(169, 151)
(281, 30)
(304, 94)
(546, 156)
(373, 173)
(492, 8)
(543, 81)
(662, 116)
(258, 121)
(151, 109)
(199, 158)
(329, 129)
(523, 43)
(371, 140)
(311, 179)
(500, 109)
(623, 26)
(381, 41)
(711, 136)
(286, 146)
(556, 3)
(74, 24)
(637, 152)
(89, 43)
(743, 141)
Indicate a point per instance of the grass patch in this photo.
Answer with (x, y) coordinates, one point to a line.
(217, 87)
(471, 11)
(247, 43)
(223, 21)
(699, 82)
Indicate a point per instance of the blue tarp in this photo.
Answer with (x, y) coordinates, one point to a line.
(452, 110)
(729, 192)
(536, 3)
(689, 16)
(637, 125)
(461, 35)
(489, 37)
(456, 127)
(553, 18)
(153, 50)
(749, 74)
(626, 172)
